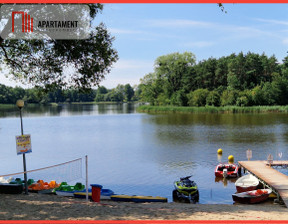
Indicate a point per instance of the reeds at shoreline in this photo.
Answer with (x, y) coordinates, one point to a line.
(212, 109)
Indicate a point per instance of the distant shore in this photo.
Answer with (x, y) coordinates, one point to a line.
(211, 109)
(52, 207)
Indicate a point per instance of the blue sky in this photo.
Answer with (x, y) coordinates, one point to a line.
(144, 32)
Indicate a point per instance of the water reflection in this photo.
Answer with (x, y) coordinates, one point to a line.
(225, 181)
(250, 129)
(246, 120)
(69, 109)
(219, 158)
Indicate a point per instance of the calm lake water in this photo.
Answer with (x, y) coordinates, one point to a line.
(138, 153)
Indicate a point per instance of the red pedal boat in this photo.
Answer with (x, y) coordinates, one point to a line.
(226, 170)
(252, 197)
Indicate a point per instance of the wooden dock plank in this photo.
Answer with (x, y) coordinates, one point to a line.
(278, 181)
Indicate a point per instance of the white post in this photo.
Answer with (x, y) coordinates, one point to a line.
(86, 164)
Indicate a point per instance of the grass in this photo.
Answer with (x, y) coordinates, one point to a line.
(212, 109)
(4, 106)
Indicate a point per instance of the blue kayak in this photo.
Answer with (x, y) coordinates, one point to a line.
(105, 194)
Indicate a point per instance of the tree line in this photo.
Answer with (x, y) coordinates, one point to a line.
(235, 80)
(122, 93)
(238, 79)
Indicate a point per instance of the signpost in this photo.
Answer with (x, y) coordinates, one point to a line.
(23, 144)
(270, 159)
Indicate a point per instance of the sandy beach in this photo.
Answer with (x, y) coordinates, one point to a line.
(52, 207)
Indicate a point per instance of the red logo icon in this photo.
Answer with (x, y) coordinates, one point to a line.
(27, 21)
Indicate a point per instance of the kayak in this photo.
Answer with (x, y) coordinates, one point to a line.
(137, 198)
(105, 194)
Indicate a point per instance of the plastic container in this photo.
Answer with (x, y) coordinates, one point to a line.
(96, 192)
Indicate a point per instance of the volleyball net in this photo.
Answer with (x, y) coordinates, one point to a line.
(70, 171)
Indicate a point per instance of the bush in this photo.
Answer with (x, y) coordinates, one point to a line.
(258, 97)
(229, 97)
(197, 97)
(244, 99)
(179, 98)
(213, 99)
(162, 100)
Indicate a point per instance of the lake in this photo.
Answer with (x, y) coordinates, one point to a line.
(137, 153)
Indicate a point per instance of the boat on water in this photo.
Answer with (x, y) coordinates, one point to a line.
(226, 170)
(246, 183)
(104, 195)
(137, 198)
(252, 197)
(186, 190)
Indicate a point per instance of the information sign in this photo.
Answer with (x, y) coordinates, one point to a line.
(23, 144)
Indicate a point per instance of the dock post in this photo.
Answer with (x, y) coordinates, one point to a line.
(239, 170)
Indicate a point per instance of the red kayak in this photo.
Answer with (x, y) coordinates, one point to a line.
(226, 170)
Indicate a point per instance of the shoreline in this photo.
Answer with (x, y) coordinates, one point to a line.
(212, 109)
(52, 207)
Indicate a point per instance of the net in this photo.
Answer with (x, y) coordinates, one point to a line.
(69, 171)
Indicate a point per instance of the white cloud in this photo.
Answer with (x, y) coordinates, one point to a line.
(272, 21)
(127, 71)
(285, 41)
(132, 64)
(177, 23)
(125, 31)
(229, 30)
(199, 44)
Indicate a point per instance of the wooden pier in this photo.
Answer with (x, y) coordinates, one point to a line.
(277, 181)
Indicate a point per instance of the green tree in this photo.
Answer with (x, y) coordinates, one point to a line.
(279, 87)
(233, 81)
(100, 94)
(173, 70)
(114, 96)
(213, 98)
(197, 97)
(137, 92)
(41, 62)
(242, 79)
(129, 92)
(229, 97)
(206, 73)
(244, 98)
(179, 98)
(33, 96)
(258, 95)
(150, 88)
(18, 92)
